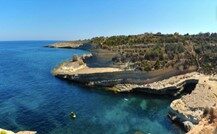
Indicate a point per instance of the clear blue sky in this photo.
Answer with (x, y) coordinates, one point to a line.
(75, 19)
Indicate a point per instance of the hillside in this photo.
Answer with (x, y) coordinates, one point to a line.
(149, 51)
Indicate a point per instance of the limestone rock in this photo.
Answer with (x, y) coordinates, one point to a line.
(188, 125)
(26, 132)
(191, 107)
(2, 131)
(208, 125)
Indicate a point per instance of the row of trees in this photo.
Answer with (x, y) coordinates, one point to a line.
(148, 38)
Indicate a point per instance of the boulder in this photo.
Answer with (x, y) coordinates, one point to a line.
(188, 125)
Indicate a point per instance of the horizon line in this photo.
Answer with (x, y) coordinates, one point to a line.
(163, 33)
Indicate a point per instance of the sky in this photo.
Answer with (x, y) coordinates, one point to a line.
(82, 19)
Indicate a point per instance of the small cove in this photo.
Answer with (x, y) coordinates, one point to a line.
(32, 99)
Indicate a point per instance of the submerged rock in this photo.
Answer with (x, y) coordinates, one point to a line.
(143, 105)
(73, 115)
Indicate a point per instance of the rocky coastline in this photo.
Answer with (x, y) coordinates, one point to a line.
(188, 107)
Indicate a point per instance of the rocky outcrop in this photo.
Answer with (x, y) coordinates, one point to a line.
(191, 107)
(69, 67)
(188, 125)
(2, 131)
(208, 125)
(76, 68)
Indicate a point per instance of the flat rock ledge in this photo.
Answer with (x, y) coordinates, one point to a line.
(3, 131)
(77, 67)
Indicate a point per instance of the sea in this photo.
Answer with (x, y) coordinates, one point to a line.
(31, 98)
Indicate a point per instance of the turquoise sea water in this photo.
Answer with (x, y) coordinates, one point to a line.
(32, 99)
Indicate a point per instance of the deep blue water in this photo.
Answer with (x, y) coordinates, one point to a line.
(32, 99)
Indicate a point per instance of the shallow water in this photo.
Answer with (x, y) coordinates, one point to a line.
(32, 99)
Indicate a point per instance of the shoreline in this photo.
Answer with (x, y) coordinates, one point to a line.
(118, 80)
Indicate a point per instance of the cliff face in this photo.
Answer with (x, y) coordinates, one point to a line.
(172, 86)
(77, 70)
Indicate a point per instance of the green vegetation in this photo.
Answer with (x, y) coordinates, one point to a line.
(159, 51)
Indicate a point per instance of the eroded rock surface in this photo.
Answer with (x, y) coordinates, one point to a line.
(191, 107)
(208, 125)
(172, 86)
